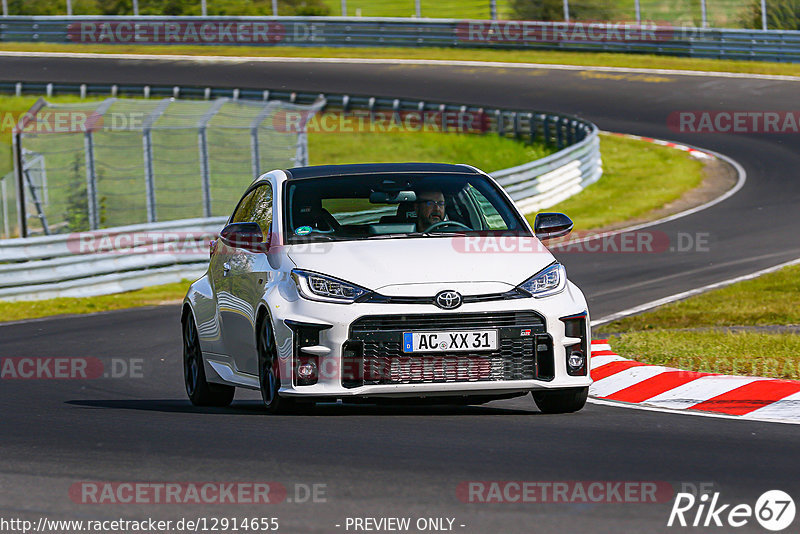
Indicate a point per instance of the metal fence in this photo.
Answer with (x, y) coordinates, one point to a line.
(336, 31)
(125, 161)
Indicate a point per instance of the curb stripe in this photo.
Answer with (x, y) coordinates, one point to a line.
(786, 409)
(599, 361)
(612, 369)
(625, 379)
(656, 385)
(750, 397)
(697, 391)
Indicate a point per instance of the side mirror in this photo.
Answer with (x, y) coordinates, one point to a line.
(245, 235)
(550, 225)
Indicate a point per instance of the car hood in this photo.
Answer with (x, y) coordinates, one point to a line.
(424, 266)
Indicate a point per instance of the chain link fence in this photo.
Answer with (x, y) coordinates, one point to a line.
(127, 161)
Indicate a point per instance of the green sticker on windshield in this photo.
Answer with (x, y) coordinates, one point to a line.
(303, 230)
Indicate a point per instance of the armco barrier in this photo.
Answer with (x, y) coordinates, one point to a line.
(52, 266)
(769, 45)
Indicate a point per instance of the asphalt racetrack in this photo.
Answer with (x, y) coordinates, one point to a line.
(411, 461)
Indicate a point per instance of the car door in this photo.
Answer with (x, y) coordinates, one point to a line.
(244, 279)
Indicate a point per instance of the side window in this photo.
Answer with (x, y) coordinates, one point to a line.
(256, 207)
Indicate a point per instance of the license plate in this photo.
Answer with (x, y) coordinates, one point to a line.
(462, 341)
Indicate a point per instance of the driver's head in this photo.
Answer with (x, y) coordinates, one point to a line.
(430, 206)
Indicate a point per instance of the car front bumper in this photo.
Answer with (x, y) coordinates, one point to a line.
(323, 333)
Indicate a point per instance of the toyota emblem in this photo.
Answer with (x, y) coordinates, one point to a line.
(448, 300)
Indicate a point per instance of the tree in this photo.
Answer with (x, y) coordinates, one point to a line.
(781, 15)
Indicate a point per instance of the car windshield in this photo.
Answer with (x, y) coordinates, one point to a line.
(396, 206)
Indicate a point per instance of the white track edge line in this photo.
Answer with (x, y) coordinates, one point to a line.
(400, 61)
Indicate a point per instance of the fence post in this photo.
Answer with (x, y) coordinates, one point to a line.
(493, 9)
(135, 8)
(5, 8)
(344, 8)
(638, 9)
(203, 8)
(22, 217)
(147, 146)
(274, 8)
(566, 10)
(417, 8)
(764, 15)
(91, 180)
(546, 130)
(3, 193)
(704, 13)
(202, 143)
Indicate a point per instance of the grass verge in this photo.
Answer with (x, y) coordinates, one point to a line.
(592, 59)
(772, 299)
(676, 333)
(773, 355)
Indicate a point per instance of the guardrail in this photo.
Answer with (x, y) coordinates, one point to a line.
(85, 264)
(766, 45)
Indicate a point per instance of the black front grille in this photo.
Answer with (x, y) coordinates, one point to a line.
(438, 321)
(374, 354)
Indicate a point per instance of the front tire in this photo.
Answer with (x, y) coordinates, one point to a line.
(269, 373)
(200, 392)
(561, 400)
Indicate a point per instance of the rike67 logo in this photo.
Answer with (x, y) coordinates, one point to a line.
(774, 510)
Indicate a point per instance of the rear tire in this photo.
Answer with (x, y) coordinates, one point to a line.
(269, 373)
(561, 400)
(200, 392)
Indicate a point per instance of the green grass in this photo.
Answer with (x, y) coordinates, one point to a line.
(602, 59)
(149, 296)
(742, 353)
(487, 152)
(637, 178)
(772, 299)
(666, 335)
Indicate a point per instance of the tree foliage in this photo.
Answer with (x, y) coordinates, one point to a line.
(781, 15)
(553, 10)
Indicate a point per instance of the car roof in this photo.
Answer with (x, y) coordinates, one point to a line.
(320, 171)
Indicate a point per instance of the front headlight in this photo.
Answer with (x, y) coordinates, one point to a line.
(315, 286)
(551, 280)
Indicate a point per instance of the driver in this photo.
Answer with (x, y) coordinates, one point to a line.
(430, 206)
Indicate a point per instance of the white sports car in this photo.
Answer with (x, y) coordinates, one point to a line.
(385, 282)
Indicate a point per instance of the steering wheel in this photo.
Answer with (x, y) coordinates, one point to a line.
(440, 224)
